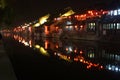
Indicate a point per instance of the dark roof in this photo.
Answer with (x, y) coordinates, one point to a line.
(111, 19)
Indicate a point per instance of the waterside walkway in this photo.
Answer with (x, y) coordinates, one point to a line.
(6, 69)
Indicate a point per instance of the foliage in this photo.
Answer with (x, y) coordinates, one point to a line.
(6, 12)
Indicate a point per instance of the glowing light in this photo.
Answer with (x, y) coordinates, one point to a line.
(43, 51)
(81, 52)
(70, 27)
(55, 53)
(58, 18)
(75, 51)
(30, 29)
(69, 57)
(75, 59)
(43, 19)
(111, 13)
(116, 68)
(113, 68)
(88, 67)
(109, 68)
(56, 28)
(66, 49)
(81, 60)
(64, 57)
(55, 19)
(81, 26)
(56, 46)
(30, 43)
(46, 44)
(70, 49)
(115, 12)
(69, 23)
(26, 43)
(37, 46)
(76, 26)
(37, 25)
(89, 12)
(91, 55)
(67, 27)
(69, 17)
(46, 30)
(70, 12)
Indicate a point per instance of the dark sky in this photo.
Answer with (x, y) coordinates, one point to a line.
(33, 9)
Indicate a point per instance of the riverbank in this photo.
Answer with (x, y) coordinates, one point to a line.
(6, 69)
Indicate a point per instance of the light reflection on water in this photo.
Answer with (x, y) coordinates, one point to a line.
(92, 54)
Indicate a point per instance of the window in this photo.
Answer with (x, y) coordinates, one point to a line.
(115, 12)
(111, 13)
(91, 26)
(118, 11)
(107, 27)
(114, 25)
(111, 26)
(118, 25)
(104, 26)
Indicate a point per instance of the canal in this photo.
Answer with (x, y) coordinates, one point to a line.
(49, 58)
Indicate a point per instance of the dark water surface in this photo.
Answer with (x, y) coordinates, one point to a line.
(41, 58)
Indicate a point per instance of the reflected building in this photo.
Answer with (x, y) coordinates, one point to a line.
(91, 54)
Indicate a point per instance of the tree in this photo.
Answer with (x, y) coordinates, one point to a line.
(6, 12)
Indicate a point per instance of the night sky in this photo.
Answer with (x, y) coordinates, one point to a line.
(32, 9)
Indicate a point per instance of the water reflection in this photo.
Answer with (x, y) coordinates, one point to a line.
(91, 54)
